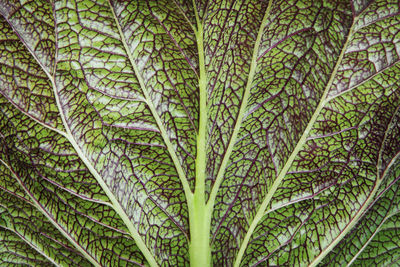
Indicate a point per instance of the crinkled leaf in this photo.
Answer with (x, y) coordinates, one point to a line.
(116, 115)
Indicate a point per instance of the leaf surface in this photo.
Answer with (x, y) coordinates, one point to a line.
(275, 123)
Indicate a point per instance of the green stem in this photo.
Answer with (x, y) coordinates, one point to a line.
(199, 214)
(202, 135)
(200, 220)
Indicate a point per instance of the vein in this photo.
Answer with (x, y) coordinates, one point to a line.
(363, 82)
(45, 69)
(116, 205)
(34, 118)
(180, 226)
(284, 39)
(13, 193)
(157, 118)
(348, 227)
(175, 42)
(377, 230)
(61, 187)
(184, 15)
(233, 139)
(226, 213)
(267, 199)
(53, 221)
(388, 128)
(31, 245)
(190, 117)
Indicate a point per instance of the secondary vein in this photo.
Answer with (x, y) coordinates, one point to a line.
(298, 147)
(154, 112)
(243, 106)
(116, 205)
(59, 227)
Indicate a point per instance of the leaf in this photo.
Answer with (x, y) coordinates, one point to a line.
(177, 133)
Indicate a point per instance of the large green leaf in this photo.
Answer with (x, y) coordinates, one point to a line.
(177, 133)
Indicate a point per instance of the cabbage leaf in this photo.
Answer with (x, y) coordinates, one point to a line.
(199, 133)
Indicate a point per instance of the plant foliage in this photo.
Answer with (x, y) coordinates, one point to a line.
(178, 132)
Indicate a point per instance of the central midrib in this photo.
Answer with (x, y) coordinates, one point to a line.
(199, 216)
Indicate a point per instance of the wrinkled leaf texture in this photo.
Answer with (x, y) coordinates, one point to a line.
(99, 127)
